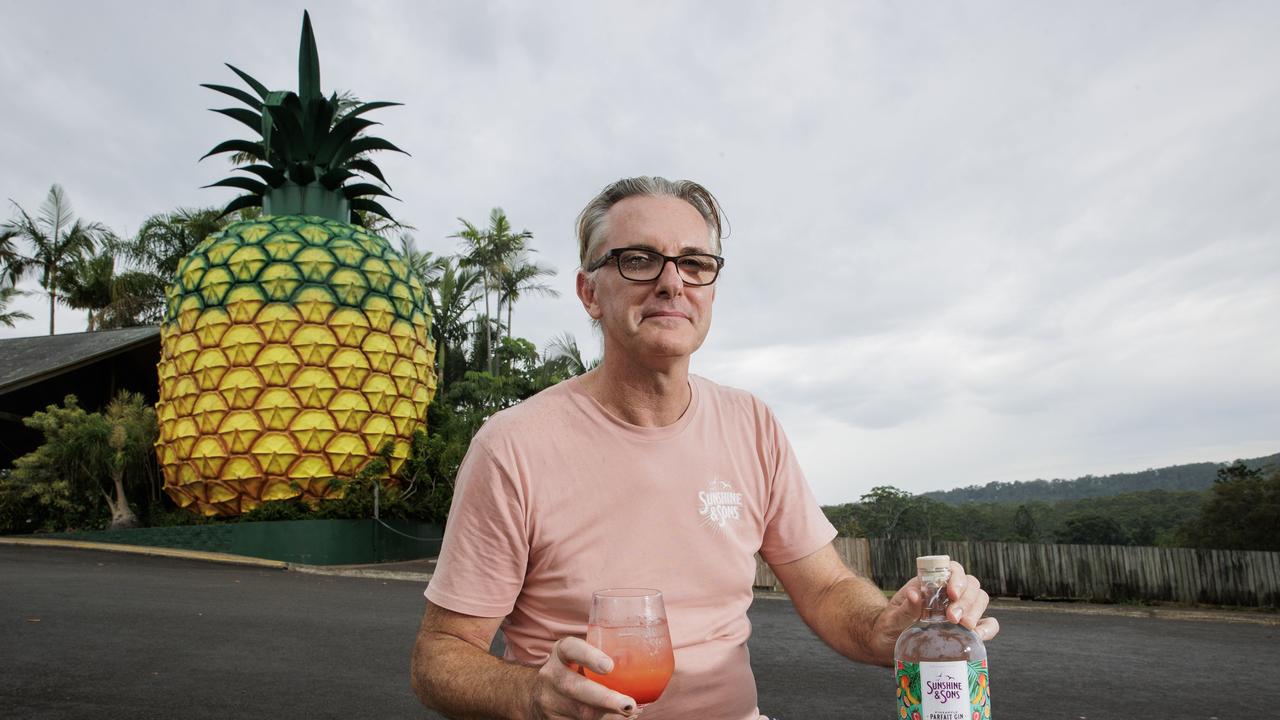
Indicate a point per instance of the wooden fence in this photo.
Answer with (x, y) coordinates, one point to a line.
(855, 551)
(1084, 572)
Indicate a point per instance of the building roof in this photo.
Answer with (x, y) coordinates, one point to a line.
(28, 360)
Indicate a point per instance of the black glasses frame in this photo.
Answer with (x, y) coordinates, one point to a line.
(616, 255)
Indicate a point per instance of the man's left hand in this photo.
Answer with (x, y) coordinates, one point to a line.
(968, 602)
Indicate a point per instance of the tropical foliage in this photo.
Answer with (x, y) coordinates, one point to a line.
(92, 466)
(56, 241)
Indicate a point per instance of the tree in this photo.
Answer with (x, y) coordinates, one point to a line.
(422, 264)
(166, 238)
(1243, 511)
(1025, 527)
(845, 519)
(133, 429)
(57, 240)
(450, 298)
(563, 351)
(519, 276)
(10, 270)
(489, 252)
(86, 283)
(12, 262)
(8, 294)
(1092, 529)
(882, 509)
(90, 456)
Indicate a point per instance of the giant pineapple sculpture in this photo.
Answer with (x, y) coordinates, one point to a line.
(295, 345)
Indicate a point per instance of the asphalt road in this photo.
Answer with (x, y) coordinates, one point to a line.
(88, 634)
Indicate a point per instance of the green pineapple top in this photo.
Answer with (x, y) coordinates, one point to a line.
(306, 153)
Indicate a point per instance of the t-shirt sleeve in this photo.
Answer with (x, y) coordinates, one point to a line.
(795, 525)
(485, 551)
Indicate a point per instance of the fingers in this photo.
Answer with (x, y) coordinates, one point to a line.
(562, 693)
(576, 651)
(968, 600)
(903, 608)
(987, 628)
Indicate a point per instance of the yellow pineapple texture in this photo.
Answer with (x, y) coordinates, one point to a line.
(293, 348)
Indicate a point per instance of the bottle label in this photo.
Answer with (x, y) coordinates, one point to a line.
(944, 691)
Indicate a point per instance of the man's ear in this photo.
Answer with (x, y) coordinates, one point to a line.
(586, 288)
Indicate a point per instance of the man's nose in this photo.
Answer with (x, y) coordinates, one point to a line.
(669, 281)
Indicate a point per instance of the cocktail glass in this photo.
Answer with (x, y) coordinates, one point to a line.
(630, 626)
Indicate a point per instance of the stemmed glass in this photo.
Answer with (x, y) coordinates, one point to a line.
(630, 626)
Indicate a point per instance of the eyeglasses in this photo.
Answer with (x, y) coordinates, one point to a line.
(640, 265)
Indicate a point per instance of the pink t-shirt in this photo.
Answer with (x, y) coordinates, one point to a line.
(557, 498)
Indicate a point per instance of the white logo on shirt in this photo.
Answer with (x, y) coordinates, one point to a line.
(720, 503)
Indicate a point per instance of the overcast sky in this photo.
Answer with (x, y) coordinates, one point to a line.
(971, 241)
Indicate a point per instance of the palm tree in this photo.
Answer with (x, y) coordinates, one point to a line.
(423, 264)
(489, 251)
(10, 270)
(166, 238)
(86, 284)
(563, 351)
(451, 297)
(112, 299)
(57, 239)
(12, 262)
(7, 295)
(519, 277)
(137, 296)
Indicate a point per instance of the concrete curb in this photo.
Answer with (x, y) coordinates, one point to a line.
(226, 558)
(370, 573)
(152, 551)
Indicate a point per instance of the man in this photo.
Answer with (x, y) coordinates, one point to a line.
(638, 474)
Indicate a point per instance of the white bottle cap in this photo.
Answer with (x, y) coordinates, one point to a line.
(934, 567)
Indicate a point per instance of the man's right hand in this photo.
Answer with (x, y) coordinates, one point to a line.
(560, 692)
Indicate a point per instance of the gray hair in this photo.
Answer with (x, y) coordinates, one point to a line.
(592, 223)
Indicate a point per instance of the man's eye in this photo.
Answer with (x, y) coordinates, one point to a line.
(696, 263)
(636, 261)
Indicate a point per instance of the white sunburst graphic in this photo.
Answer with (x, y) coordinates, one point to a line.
(719, 504)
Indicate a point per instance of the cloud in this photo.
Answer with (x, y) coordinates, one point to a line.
(970, 243)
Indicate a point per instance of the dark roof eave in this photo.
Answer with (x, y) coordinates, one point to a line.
(55, 371)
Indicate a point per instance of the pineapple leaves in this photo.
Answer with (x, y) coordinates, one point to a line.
(240, 203)
(285, 117)
(308, 63)
(334, 178)
(272, 176)
(302, 173)
(305, 138)
(362, 189)
(368, 205)
(362, 109)
(248, 117)
(362, 145)
(243, 183)
(244, 97)
(257, 86)
(316, 121)
(240, 146)
(347, 128)
(367, 167)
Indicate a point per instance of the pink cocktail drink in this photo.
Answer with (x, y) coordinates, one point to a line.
(642, 659)
(630, 626)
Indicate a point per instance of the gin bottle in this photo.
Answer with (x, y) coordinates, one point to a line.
(941, 666)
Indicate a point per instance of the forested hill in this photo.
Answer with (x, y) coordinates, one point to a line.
(1196, 476)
